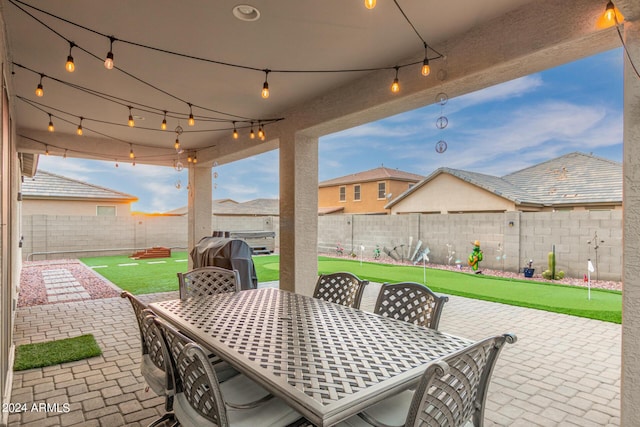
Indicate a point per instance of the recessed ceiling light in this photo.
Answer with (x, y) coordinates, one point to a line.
(244, 12)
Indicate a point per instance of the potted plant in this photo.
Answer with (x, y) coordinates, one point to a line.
(529, 270)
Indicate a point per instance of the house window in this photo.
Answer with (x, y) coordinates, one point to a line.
(356, 192)
(343, 194)
(382, 190)
(106, 210)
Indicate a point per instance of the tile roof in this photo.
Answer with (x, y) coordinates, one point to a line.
(575, 178)
(376, 174)
(46, 185)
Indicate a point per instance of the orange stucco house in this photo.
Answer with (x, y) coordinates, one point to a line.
(364, 192)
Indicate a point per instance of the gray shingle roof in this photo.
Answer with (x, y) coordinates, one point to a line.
(570, 179)
(46, 185)
(574, 178)
(253, 207)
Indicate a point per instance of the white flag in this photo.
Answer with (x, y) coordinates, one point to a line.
(590, 267)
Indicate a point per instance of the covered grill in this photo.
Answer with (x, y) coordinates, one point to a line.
(232, 254)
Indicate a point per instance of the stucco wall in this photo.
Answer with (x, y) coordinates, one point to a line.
(70, 207)
(368, 203)
(446, 193)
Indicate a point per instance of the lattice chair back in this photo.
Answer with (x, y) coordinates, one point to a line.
(196, 385)
(149, 339)
(453, 391)
(208, 281)
(410, 302)
(341, 288)
(152, 363)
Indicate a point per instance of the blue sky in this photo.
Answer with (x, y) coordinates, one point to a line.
(574, 107)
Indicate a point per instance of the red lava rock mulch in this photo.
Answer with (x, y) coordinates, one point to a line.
(33, 291)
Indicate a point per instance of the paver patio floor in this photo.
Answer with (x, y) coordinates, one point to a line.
(562, 371)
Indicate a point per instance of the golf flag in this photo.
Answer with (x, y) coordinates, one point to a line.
(590, 269)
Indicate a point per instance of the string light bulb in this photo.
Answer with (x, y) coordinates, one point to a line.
(426, 69)
(265, 86)
(176, 145)
(131, 122)
(189, 159)
(192, 121)
(260, 132)
(50, 128)
(79, 130)
(131, 155)
(369, 4)
(64, 156)
(252, 135)
(235, 131)
(46, 150)
(610, 17)
(395, 86)
(195, 158)
(163, 126)
(40, 89)
(70, 66)
(108, 62)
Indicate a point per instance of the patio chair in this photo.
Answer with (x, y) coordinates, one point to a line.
(411, 302)
(341, 288)
(201, 401)
(452, 391)
(152, 364)
(208, 281)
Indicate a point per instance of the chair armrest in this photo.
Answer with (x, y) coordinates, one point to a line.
(374, 422)
(250, 405)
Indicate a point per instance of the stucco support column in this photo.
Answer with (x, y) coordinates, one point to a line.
(199, 206)
(298, 213)
(630, 410)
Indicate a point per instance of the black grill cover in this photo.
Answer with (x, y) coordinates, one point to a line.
(232, 254)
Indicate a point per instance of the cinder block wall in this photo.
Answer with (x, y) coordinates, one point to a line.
(508, 240)
(96, 236)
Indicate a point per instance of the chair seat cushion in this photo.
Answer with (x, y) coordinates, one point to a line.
(154, 376)
(239, 390)
(392, 411)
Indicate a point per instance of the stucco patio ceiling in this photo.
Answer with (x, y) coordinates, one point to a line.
(291, 35)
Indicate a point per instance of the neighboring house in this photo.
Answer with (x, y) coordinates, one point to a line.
(229, 207)
(49, 194)
(575, 181)
(364, 192)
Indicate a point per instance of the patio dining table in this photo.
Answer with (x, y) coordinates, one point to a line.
(326, 360)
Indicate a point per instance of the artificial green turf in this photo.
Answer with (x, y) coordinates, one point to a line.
(145, 276)
(604, 305)
(29, 356)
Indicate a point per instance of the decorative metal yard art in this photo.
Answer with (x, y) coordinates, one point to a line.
(501, 255)
(394, 253)
(415, 251)
(595, 241)
(442, 121)
(450, 253)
